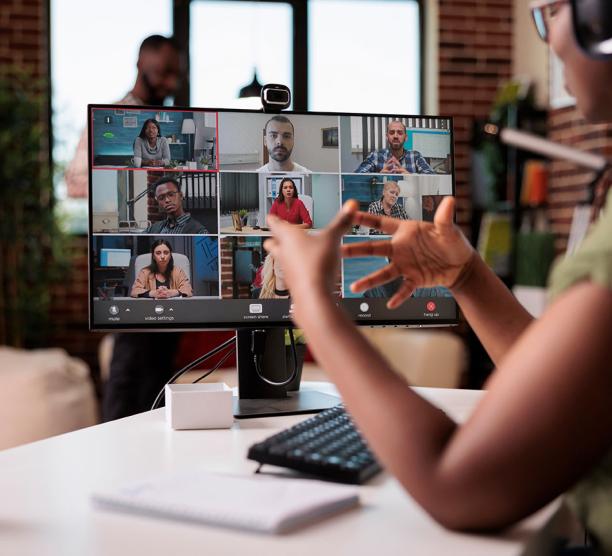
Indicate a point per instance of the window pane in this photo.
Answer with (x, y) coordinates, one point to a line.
(93, 59)
(229, 40)
(364, 56)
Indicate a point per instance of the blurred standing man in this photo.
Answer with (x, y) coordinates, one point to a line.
(395, 159)
(138, 370)
(159, 75)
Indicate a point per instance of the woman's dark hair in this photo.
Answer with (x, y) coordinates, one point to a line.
(281, 197)
(153, 266)
(144, 127)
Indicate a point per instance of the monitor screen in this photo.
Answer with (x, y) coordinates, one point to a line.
(179, 200)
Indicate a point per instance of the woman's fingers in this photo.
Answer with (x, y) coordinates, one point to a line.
(403, 293)
(382, 276)
(343, 220)
(443, 219)
(282, 230)
(380, 248)
(384, 224)
(270, 245)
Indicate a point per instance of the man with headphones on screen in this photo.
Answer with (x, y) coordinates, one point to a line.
(544, 426)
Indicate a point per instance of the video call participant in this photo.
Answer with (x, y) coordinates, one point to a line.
(543, 427)
(395, 159)
(279, 137)
(388, 204)
(150, 147)
(170, 201)
(158, 78)
(288, 206)
(273, 280)
(161, 279)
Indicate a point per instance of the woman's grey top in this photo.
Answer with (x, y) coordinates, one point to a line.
(143, 151)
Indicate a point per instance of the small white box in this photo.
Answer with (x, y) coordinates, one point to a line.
(199, 406)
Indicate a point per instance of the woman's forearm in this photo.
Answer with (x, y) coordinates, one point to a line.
(494, 314)
(407, 433)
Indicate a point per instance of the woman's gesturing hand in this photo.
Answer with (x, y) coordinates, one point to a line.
(425, 254)
(310, 262)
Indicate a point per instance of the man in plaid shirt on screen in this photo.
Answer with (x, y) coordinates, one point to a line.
(388, 204)
(395, 159)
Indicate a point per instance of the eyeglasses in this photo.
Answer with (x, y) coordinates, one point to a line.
(542, 12)
(591, 23)
(170, 195)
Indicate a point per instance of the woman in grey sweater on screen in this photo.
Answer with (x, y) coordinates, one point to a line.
(150, 148)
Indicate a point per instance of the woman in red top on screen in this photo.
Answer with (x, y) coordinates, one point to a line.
(288, 207)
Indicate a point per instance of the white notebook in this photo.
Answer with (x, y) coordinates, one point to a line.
(253, 502)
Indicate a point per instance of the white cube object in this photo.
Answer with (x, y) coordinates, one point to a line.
(199, 406)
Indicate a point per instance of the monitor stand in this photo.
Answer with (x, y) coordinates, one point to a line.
(257, 398)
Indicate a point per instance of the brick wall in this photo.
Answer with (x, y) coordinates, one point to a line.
(568, 184)
(23, 36)
(475, 55)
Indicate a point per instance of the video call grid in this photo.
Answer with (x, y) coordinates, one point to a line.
(220, 172)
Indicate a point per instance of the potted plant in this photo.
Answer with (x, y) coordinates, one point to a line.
(244, 215)
(31, 242)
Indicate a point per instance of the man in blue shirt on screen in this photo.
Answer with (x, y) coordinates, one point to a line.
(395, 159)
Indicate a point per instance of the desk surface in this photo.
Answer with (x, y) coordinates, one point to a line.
(45, 491)
(246, 230)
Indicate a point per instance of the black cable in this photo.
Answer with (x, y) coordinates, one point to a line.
(190, 366)
(295, 366)
(221, 361)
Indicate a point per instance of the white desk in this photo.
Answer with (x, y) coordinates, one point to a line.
(45, 503)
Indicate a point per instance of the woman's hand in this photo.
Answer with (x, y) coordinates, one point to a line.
(425, 254)
(310, 261)
(164, 292)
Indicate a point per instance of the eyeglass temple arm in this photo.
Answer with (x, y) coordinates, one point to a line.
(550, 149)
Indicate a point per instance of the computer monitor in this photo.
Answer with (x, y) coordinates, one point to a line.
(199, 185)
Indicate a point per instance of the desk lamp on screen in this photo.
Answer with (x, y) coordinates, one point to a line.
(211, 222)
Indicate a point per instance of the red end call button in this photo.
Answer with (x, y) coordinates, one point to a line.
(431, 306)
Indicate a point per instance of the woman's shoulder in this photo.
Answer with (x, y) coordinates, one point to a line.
(593, 259)
(178, 271)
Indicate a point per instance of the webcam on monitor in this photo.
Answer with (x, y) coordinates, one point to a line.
(275, 97)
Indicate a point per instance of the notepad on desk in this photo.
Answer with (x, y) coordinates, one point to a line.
(255, 503)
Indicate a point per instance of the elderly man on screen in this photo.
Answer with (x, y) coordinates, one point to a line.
(395, 159)
(388, 204)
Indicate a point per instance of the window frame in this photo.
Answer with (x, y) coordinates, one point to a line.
(181, 25)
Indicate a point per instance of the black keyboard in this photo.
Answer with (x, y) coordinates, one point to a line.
(327, 445)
